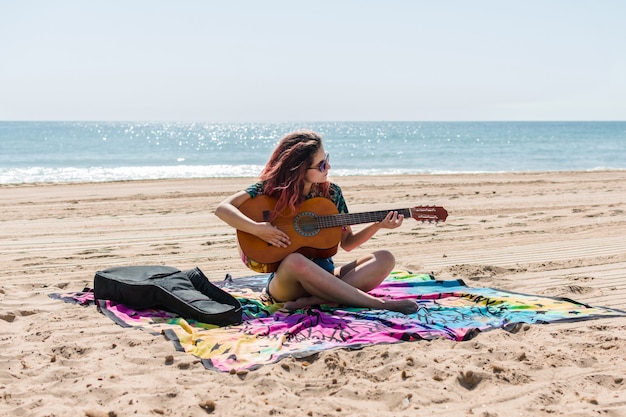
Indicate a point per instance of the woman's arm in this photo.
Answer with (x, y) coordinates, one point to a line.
(228, 211)
(350, 240)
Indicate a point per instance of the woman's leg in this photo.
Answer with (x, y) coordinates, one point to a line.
(300, 282)
(368, 272)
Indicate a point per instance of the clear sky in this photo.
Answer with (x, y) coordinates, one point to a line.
(344, 60)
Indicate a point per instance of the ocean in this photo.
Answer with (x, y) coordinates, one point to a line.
(34, 152)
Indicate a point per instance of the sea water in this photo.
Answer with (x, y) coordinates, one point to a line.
(32, 152)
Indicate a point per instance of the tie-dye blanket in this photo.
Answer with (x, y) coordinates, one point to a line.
(268, 333)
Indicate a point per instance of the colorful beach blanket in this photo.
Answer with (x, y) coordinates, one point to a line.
(448, 309)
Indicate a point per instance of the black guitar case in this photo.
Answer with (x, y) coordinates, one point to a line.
(187, 293)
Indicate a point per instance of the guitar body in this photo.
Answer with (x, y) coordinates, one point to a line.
(304, 233)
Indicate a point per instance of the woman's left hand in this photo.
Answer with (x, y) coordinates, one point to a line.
(392, 220)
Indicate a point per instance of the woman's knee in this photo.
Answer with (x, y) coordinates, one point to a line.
(295, 263)
(384, 257)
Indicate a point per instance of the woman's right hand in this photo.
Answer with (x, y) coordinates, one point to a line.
(273, 235)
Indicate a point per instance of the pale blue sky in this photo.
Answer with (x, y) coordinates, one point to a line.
(312, 61)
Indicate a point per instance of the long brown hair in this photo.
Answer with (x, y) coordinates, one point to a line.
(285, 171)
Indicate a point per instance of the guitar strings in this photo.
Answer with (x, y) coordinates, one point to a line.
(346, 219)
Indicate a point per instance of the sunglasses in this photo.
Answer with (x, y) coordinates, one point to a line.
(323, 165)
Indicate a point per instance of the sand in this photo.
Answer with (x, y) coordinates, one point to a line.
(555, 234)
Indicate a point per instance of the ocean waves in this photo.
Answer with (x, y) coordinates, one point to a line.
(60, 152)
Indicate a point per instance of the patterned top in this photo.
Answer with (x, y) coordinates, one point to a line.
(336, 196)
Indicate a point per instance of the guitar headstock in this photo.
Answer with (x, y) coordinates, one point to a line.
(430, 214)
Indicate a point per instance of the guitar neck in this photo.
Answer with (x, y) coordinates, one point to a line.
(347, 219)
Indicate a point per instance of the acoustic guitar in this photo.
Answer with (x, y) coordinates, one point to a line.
(314, 230)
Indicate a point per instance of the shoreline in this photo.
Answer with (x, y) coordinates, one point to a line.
(548, 233)
(428, 174)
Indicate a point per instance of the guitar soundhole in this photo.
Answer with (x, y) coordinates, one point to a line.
(305, 224)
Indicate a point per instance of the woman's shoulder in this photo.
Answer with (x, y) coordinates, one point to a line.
(328, 189)
(256, 189)
(334, 187)
(336, 195)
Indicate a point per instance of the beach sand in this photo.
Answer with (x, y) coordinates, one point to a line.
(554, 234)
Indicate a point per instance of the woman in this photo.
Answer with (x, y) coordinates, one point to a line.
(296, 171)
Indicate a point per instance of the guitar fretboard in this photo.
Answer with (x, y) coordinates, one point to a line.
(347, 219)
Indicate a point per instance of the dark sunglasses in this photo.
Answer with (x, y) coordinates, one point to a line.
(322, 165)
